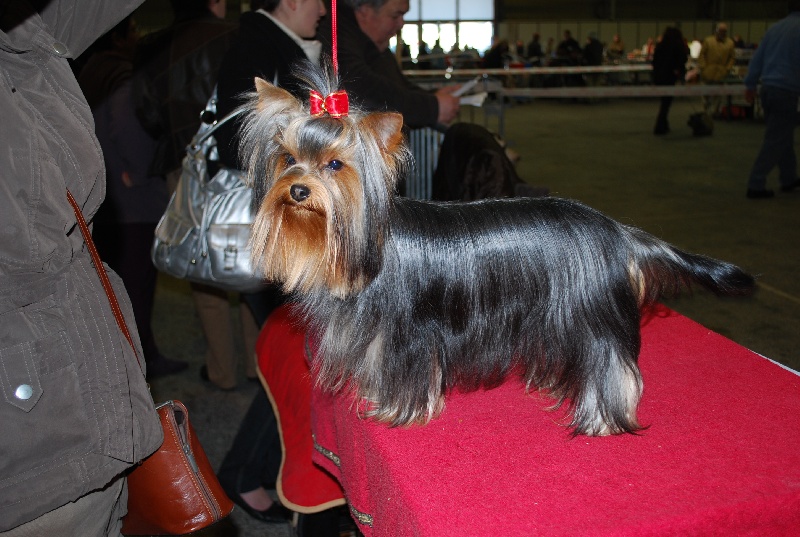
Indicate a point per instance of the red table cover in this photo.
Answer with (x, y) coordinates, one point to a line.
(721, 455)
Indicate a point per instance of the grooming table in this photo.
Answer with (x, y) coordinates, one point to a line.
(721, 455)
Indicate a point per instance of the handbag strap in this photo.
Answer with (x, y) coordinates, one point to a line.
(207, 127)
(101, 272)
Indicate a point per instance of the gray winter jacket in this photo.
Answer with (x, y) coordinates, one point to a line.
(75, 410)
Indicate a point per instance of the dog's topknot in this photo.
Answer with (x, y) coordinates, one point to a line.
(323, 79)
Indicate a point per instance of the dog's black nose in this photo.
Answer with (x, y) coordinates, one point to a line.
(300, 192)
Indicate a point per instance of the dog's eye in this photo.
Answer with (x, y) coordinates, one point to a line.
(290, 161)
(335, 165)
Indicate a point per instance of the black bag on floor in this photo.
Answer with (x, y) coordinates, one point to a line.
(701, 124)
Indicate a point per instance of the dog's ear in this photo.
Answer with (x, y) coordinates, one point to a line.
(272, 98)
(387, 128)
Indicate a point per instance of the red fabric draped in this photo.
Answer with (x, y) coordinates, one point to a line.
(721, 455)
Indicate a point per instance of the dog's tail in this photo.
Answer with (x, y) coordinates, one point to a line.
(660, 270)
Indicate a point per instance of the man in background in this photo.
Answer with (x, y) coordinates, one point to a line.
(776, 64)
(369, 70)
(373, 78)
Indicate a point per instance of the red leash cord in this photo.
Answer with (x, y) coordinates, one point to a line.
(337, 104)
(334, 54)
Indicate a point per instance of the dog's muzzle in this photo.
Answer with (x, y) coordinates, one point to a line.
(299, 192)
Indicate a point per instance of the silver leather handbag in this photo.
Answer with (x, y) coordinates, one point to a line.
(204, 234)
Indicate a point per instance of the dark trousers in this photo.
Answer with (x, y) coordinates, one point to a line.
(662, 120)
(254, 461)
(780, 113)
(255, 456)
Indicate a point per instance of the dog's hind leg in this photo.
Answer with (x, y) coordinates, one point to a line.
(608, 404)
(609, 385)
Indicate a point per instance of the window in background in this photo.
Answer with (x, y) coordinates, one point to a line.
(440, 10)
(477, 35)
(466, 22)
(481, 10)
(410, 36)
(447, 36)
(413, 11)
(430, 33)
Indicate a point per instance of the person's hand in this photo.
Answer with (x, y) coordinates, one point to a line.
(448, 104)
(750, 96)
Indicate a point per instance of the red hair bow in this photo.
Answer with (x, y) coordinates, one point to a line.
(336, 104)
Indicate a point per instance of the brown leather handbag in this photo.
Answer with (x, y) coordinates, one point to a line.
(174, 491)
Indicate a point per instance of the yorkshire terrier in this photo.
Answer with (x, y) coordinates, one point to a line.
(408, 300)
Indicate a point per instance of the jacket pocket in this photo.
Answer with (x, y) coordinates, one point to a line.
(19, 375)
(42, 405)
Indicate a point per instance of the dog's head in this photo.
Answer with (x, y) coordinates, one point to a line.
(323, 186)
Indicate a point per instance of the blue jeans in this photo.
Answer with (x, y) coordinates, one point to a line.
(780, 113)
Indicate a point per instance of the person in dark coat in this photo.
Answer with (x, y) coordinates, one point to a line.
(669, 66)
(174, 75)
(569, 50)
(369, 70)
(265, 50)
(593, 51)
(176, 72)
(497, 56)
(135, 199)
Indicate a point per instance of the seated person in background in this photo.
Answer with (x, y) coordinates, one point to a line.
(648, 49)
(616, 49)
(592, 56)
(568, 50)
(550, 49)
(568, 53)
(535, 53)
(593, 51)
(497, 56)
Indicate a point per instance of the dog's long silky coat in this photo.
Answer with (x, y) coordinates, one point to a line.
(409, 299)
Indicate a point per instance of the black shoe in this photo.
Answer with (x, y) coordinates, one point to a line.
(760, 194)
(791, 186)
(274, 515)
(661, 129)
(164, 366)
